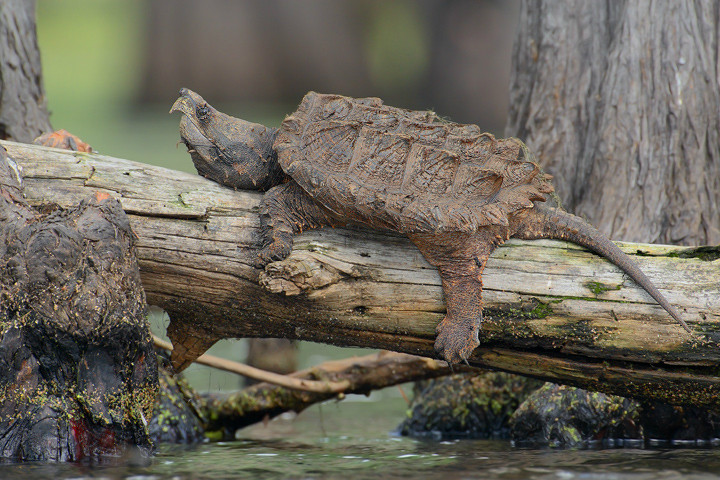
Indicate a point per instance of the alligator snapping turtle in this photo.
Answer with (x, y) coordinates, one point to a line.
(454, 190)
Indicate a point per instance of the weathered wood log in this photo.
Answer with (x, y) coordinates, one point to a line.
(553, 310)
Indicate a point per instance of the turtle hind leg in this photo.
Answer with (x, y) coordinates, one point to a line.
(460, 258)
(286, 210)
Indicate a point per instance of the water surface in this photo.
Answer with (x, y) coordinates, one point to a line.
(351, 440)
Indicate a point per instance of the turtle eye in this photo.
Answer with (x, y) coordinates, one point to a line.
(202, 112)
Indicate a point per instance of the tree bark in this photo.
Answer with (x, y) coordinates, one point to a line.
(78, 374)
(621, 102)
(23, 108)
(553, 310)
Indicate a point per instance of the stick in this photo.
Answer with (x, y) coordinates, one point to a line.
(263, 375)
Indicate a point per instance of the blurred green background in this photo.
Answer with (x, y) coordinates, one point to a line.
(92, 57)
(112, 69)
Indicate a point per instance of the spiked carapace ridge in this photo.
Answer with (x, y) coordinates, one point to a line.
(455, 191)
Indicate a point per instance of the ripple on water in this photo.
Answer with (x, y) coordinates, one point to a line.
(352, 442)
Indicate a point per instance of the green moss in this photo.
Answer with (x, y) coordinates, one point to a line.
(541, 310)
(181, 201)
(598, 288)
(215, 436)
(527, 310)
(571, 434)
(466, 405)
(511, 319)
(120, 408)
(705, 253)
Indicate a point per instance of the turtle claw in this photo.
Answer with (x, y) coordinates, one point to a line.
(456, 340)
(278, 249)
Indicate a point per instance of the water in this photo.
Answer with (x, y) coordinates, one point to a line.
(351, 440)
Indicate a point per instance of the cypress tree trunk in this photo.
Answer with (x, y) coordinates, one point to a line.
(23, 108)
(621, 102)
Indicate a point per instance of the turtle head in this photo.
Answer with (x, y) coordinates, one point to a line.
(226, 149)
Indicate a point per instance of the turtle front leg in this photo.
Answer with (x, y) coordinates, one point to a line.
(458, 333)
(460, 258)
(286, 210)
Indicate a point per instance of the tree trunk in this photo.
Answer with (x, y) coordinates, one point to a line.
(621, 102)
(23, 108)
(553, 310)
(78, 374)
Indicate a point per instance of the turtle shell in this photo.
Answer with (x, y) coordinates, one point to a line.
(402, 170)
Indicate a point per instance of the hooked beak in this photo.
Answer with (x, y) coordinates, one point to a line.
(187, 102)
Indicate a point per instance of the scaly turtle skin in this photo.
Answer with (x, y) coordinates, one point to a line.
(455, 191)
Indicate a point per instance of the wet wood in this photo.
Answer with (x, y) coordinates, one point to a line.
(553, 310)
(260, 402)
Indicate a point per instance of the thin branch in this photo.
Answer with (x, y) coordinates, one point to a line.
(228, 412)
(314, 386)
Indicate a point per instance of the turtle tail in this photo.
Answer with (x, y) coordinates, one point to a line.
(554, 223)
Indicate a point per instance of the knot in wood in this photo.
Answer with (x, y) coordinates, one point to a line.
(301, 272)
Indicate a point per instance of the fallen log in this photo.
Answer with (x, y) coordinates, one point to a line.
(553, 310)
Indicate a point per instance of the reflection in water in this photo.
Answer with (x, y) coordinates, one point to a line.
(351, 440)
